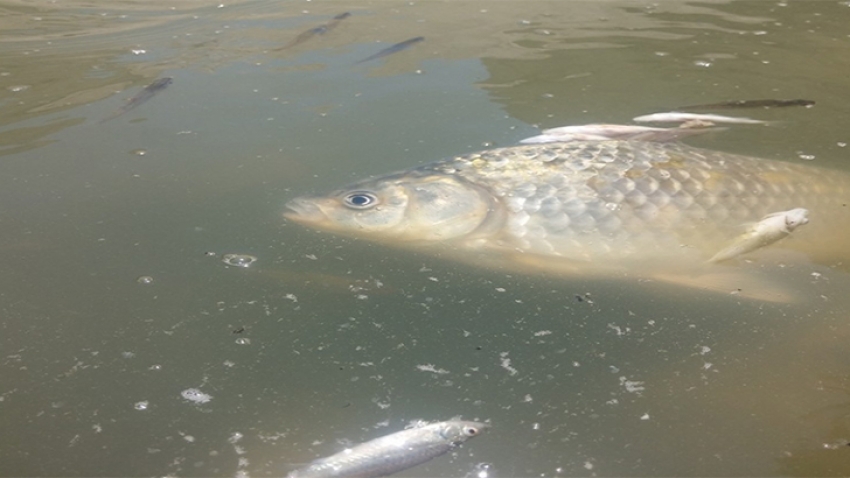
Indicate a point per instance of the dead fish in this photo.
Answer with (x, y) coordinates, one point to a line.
(736, 104)
(769, 229)
(678, 117)
(604, 209)
(147, 93)
(319, 30)
(393, 49)
(601, 132)
(395, 452)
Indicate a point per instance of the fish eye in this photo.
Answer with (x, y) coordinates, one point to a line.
(470, 431)
(360, 200)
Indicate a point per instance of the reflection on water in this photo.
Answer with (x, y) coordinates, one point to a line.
(203, 368)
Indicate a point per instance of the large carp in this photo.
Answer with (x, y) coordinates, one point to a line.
(627, 209)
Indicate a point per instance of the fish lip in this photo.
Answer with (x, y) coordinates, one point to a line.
(302, 210)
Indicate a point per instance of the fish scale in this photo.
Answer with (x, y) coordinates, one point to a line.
(619, 190)
(588, 207)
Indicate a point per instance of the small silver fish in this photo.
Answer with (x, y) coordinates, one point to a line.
(393, 453)
(768, 230)
(601, 132)
(147, 93)
(392, 49)
(678, 117)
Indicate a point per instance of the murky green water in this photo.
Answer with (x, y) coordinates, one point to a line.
(326, 341)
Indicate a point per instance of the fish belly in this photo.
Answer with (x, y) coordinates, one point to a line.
(379, 457)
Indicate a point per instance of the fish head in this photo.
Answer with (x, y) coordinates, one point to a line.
(796, 217)
(458, 431)
(411, 207)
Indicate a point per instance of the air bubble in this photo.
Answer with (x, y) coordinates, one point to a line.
(238, 260)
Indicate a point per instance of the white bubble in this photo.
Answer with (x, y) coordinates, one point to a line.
(238, 260)
(143, 405)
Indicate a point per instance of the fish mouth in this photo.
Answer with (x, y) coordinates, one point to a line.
(302, 210)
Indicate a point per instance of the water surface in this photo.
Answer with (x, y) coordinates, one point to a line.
(131, 349)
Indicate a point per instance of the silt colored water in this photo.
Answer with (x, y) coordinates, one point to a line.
(130, 349)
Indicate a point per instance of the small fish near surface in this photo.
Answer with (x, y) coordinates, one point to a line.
(319, 30)
(393, 453)
(680, 117)
(392, 49)
(596, 209)
(147, 93)
(602, 132)
(742, 104)
(770, 229)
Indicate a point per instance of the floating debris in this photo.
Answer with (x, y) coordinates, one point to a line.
(195, 395)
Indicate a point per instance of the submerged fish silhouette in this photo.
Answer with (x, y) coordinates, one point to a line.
(319, 30)
(147, 93)
(392, 49)
(749, 104)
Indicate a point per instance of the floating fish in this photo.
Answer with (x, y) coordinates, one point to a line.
(319, 30)
(749, 104)
(147, 93)
(393, 453)
(601, 132)
(624, 209)
(770, 229)
(678, 117)
(393, 49)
